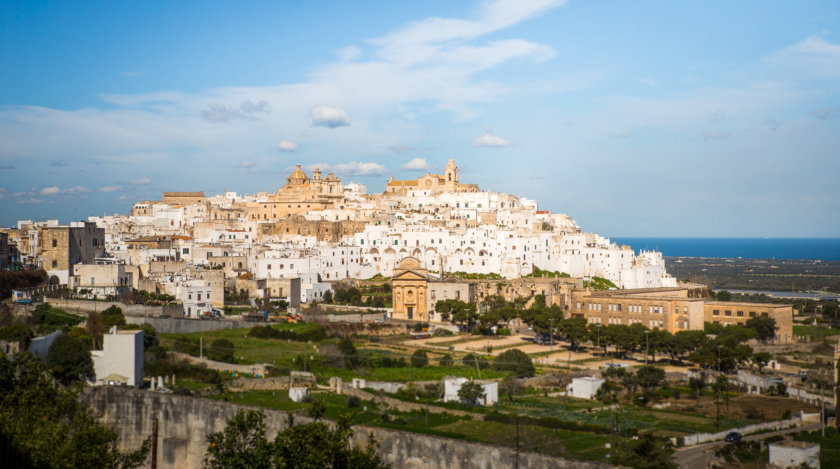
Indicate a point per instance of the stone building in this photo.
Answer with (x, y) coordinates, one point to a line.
(673, 309)
(4, 250)
(62, 247)
(447, 182)
(121, 359)
(409, 286)
(102, 279)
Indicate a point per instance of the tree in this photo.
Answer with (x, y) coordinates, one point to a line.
(696, 385)
(20, 333)
(419, 359)
(650, 377)
(221, 350)
(445, 360)
(723, 295)
(515, 361)
(765, 327)
(242, 444)
(471, 392)
(113, 316)
(574, 330)
(314, 445)
(328, 297)
(349, 353)
(95, 327)
(46, 426)
(511, 386)
(648, 452)
(69, 360)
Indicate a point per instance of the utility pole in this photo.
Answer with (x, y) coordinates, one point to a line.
(717, 401)
(475, 357)
(201, 348)
(154, 442)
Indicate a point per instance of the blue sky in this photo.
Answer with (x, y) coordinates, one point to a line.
(646, 118)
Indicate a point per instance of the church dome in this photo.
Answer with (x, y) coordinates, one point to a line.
(297, 176)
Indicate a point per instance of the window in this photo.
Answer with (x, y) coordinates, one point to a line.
(752, 314)
(55, 244)
(728, 313)
(186, 250)
(55, 263)
(716, 312)
(740, 314)
(269, 266)
(199, 297)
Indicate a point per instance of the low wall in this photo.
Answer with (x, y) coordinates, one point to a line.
(86, 306)
(700, 438)
(184, 423)
(186, 326)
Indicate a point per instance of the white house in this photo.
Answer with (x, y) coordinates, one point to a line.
(452, 385)
(794, 454)
(584, 388)
(121, 359)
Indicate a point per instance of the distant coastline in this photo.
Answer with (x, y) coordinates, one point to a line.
(826, 249)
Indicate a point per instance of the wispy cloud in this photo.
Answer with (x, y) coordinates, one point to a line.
(716, 135)
(353, 168)
(55, 190)
(815, 56)
(7, 166)
(417, 164)
(326, 116)
(287, 146)
(223, 113)
(58, 164)
(110, 188)
(140, 181)
(825, 114)
(246, 165)
(488, 140)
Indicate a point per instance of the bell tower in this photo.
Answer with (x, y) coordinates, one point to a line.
(451, 172)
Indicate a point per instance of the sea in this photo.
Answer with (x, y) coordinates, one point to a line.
(826, 249)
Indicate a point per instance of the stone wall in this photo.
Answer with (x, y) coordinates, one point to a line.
(184, 423)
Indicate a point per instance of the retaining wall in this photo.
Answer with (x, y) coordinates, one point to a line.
(184, 423)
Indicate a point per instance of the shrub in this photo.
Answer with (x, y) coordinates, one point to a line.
(470, 360)
(221, 350)
(516, 361)
(419, 359)
(354, 401)
(445, 360)
(502, 331)
(441, 332)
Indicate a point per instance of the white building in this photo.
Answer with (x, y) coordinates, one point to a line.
(584, 388)
(121, 359)
(451, 386)
(101, 279)
(794, 454)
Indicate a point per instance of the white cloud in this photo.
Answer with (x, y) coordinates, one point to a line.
(287, 146)
(223, 113)
(140, 182)
(716, 135)
(417, 164)
(488, 140)
(246, 165)
(353, 168)
(814, 55)
(326, 116)
(110, 188)
(55, 190)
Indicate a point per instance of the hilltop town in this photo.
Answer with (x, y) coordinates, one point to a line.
(433, 289)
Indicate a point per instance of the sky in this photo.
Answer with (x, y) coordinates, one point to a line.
(644, 118)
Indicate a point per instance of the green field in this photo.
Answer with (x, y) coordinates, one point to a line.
(814, 332)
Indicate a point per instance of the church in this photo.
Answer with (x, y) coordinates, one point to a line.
(431, 183)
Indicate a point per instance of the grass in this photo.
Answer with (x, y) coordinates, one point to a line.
(815, 332)
(250, 350)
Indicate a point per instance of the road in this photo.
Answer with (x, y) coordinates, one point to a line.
(697, 457)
